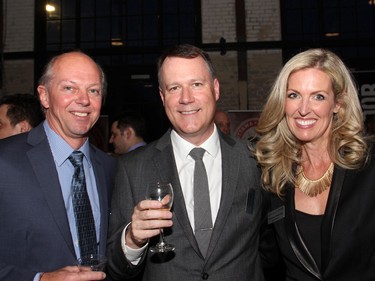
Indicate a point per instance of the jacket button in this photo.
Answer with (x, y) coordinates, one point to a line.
(205, 276)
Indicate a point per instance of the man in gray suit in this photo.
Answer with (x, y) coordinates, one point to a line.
(189, 90)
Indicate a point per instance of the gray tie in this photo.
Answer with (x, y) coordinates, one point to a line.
(202, 206)
(82, 208)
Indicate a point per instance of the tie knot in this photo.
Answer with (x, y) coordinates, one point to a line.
(76, 158)
(197, 153)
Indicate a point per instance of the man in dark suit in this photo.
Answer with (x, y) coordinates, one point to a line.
(38, 233)
(189, 90)
(127, 132)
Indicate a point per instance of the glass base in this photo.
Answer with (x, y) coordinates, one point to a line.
(162, 248)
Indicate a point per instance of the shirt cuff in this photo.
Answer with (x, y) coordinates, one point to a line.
(132, 255)
(38, 276)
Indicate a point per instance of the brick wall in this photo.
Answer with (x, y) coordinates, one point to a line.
(18, 75)
(19, 25)
(262, 24)
(227, 72)
(218, 20)
(263, 20)
(263, 67)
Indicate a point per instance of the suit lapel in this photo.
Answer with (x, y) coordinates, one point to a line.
(296, 242)
(230, 169)
(330, 214)
(103, 197)
(163, 162)
(41, 160)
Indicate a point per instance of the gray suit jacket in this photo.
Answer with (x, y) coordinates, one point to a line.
(34, 228)
(233, 250)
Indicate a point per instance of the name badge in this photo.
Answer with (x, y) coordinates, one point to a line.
(276, 215)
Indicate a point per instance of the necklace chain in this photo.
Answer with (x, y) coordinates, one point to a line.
(313, 188)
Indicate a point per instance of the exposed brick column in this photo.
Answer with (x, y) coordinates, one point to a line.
(242, 54)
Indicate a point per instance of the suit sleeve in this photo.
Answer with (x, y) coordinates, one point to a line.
(11, 273)
(122, 208)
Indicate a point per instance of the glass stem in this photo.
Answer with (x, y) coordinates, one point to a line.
(162, 243)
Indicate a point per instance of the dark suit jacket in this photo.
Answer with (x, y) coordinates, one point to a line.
(34, 229)
(347, 231)
(232, 253)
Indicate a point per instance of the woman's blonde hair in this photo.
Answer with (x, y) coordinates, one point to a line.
(277, 149)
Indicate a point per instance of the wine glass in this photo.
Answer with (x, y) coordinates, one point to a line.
(95, 262)
(162, 192)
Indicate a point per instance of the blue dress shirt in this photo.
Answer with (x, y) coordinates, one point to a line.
(61, 151)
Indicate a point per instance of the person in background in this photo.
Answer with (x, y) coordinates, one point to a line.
(127, 133)
(19, 113)
(39, 233)
(319, 168)
(189, 90)
(222, 121)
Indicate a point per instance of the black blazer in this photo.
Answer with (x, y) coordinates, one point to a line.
(347, 230)
(34, 229)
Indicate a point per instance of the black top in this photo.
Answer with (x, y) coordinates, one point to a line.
(309, 227)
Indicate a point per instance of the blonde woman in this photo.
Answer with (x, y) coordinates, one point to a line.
(316, 166)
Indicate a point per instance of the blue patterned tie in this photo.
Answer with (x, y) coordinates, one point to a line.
(82, 208)
(202, 206)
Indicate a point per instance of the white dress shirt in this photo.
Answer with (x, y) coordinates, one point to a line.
(185, 168)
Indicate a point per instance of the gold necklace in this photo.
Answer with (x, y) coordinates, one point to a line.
(314, 187)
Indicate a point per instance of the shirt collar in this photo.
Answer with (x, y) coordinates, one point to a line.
(142, 143)
(60, 149)
(183, 147)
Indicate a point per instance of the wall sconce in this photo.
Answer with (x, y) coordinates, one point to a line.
(50, 8)
(116, 42)
(52, 11)
(333, 34)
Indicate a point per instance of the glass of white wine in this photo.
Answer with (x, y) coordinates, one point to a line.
(162, 192)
